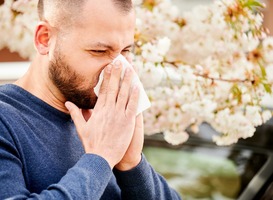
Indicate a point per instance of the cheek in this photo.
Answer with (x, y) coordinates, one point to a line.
(89, 68)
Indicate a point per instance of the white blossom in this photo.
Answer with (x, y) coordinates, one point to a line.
(152, 75)
(268, 49)
(269, 72)
(266, 115)
(204, 65)
(176, 138)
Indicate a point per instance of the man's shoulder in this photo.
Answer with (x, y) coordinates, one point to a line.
(8, 117)
(8, 113)
(6, 92)
(8, 105)
(6, 99)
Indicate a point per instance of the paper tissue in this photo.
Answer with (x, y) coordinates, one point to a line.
(143, 102)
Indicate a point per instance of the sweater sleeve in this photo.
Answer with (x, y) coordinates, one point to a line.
(87, 179)
(143, 183)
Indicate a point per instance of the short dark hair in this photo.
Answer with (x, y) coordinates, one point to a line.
(75, 5)
(124, 5)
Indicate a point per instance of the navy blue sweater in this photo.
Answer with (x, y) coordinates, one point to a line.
(41, 157)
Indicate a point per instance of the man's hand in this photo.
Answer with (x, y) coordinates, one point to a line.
(110, 129)
(132, 156)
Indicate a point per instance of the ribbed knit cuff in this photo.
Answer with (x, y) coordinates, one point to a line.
(134, 177)
(87, 179)
(93, 161)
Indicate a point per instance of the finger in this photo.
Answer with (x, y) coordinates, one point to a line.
(131, 109)
(123, 94)
(104, 85)
(138, 137)
(114, 82)
(76, 116)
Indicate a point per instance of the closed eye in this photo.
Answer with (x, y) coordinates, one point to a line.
(98, 51)
(95, 52)
(126, 50)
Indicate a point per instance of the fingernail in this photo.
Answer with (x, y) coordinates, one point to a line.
(117, 63)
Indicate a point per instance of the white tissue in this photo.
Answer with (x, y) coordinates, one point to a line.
(143, 102)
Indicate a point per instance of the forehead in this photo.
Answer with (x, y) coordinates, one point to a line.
(102, 20)
(106, 14)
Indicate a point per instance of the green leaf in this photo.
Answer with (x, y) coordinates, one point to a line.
(267, 88)
(236, 92)
(253, 3)
(263, 71)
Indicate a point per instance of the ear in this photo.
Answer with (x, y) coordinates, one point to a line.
(43, 34)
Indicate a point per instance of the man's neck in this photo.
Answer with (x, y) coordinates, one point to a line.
(37, 82)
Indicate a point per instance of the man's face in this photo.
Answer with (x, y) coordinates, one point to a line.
(80, 54)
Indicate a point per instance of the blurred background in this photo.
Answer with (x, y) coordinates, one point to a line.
(184, 5)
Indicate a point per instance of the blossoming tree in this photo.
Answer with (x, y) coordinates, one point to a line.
(212, 64)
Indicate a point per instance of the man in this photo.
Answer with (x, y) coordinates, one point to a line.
(45, 153)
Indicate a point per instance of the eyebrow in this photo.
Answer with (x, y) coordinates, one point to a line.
(100, 44)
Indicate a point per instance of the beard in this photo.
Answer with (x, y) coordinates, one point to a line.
(71, 84)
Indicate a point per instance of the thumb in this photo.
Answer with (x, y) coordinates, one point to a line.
(75, 114)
